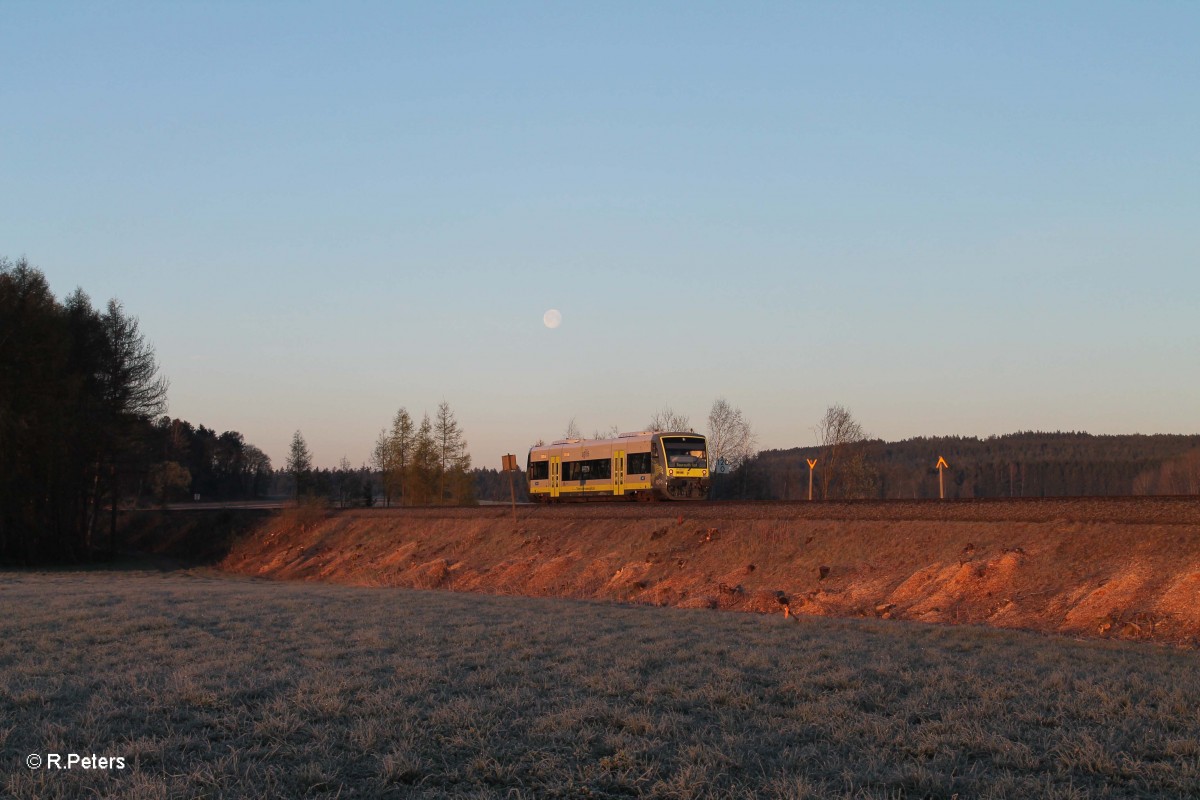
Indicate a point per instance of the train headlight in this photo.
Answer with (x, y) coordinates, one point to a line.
(670, 472)
(705, 473)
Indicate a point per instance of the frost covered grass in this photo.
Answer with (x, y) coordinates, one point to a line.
(215, 686)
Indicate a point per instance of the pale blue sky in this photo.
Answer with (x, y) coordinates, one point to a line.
(953, 218)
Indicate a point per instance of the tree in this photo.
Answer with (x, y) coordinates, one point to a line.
(572, 430)
(42, 476)
(667, 419)
(382, 461)
(77, 390)
(257, 471)
(123, 391)
(169, 479)
(843, 469)
(299, 463)
(345, 482)
(129, 378)
(730, 438)
(422, 479)
(392, 455)
(453, 461)
(400, 447)
(462, 483)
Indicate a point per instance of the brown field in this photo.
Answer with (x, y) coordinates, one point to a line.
(1125, 568)
(218, 686)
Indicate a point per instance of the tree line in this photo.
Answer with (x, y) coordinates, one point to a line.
(77, 384)
(188, 460)
(850, 465)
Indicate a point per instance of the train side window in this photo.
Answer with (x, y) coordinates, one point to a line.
(539, 470)
(638, 464)
(597, 468)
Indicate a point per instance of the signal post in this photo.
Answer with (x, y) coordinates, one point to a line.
(510, 466)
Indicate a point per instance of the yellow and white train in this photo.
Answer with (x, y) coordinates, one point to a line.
(636, 466)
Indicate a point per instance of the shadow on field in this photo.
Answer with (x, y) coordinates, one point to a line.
(182, 539)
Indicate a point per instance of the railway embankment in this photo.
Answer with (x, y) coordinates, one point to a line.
(1124, 568)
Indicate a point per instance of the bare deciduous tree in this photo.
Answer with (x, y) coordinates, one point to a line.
(343, 481)
(668, 420)
(381, 460)
(572, 430)
(730, 437)
(842, 466)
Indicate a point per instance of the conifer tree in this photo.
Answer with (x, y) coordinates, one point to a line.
(400, 447)
(451, 450)
(422, 473)
(299, 463)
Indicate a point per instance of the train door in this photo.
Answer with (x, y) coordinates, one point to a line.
(555, 475)
(619, 472)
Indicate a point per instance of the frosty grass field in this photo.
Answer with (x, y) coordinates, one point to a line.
(215, 686)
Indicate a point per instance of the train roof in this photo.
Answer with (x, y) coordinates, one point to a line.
(624, 438)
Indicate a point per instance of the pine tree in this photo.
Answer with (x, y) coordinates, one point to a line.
(299, 463)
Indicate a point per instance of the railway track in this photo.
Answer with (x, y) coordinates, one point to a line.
(1166, 510)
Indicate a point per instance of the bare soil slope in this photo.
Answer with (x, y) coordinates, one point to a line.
(1122, 567)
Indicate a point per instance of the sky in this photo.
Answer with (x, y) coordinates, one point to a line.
(951, 218)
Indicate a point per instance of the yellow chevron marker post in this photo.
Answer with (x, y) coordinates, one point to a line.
(812, 464)
(941, 465)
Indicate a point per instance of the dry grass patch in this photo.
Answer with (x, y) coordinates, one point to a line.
(222, 687)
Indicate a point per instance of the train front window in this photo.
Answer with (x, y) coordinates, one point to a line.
(685, 452)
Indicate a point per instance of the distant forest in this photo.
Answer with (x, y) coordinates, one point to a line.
(175, 461)
(1029, 464)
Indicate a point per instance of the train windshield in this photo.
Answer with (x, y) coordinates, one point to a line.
(685, 452)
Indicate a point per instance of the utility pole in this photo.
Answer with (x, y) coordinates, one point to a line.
(812, 464)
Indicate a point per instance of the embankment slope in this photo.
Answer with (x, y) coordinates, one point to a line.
(1122, 567)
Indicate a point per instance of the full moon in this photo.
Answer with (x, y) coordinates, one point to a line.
(552, 318)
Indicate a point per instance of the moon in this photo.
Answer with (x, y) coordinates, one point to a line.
(552, 318)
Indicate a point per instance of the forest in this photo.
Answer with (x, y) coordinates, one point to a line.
(1025, 464)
